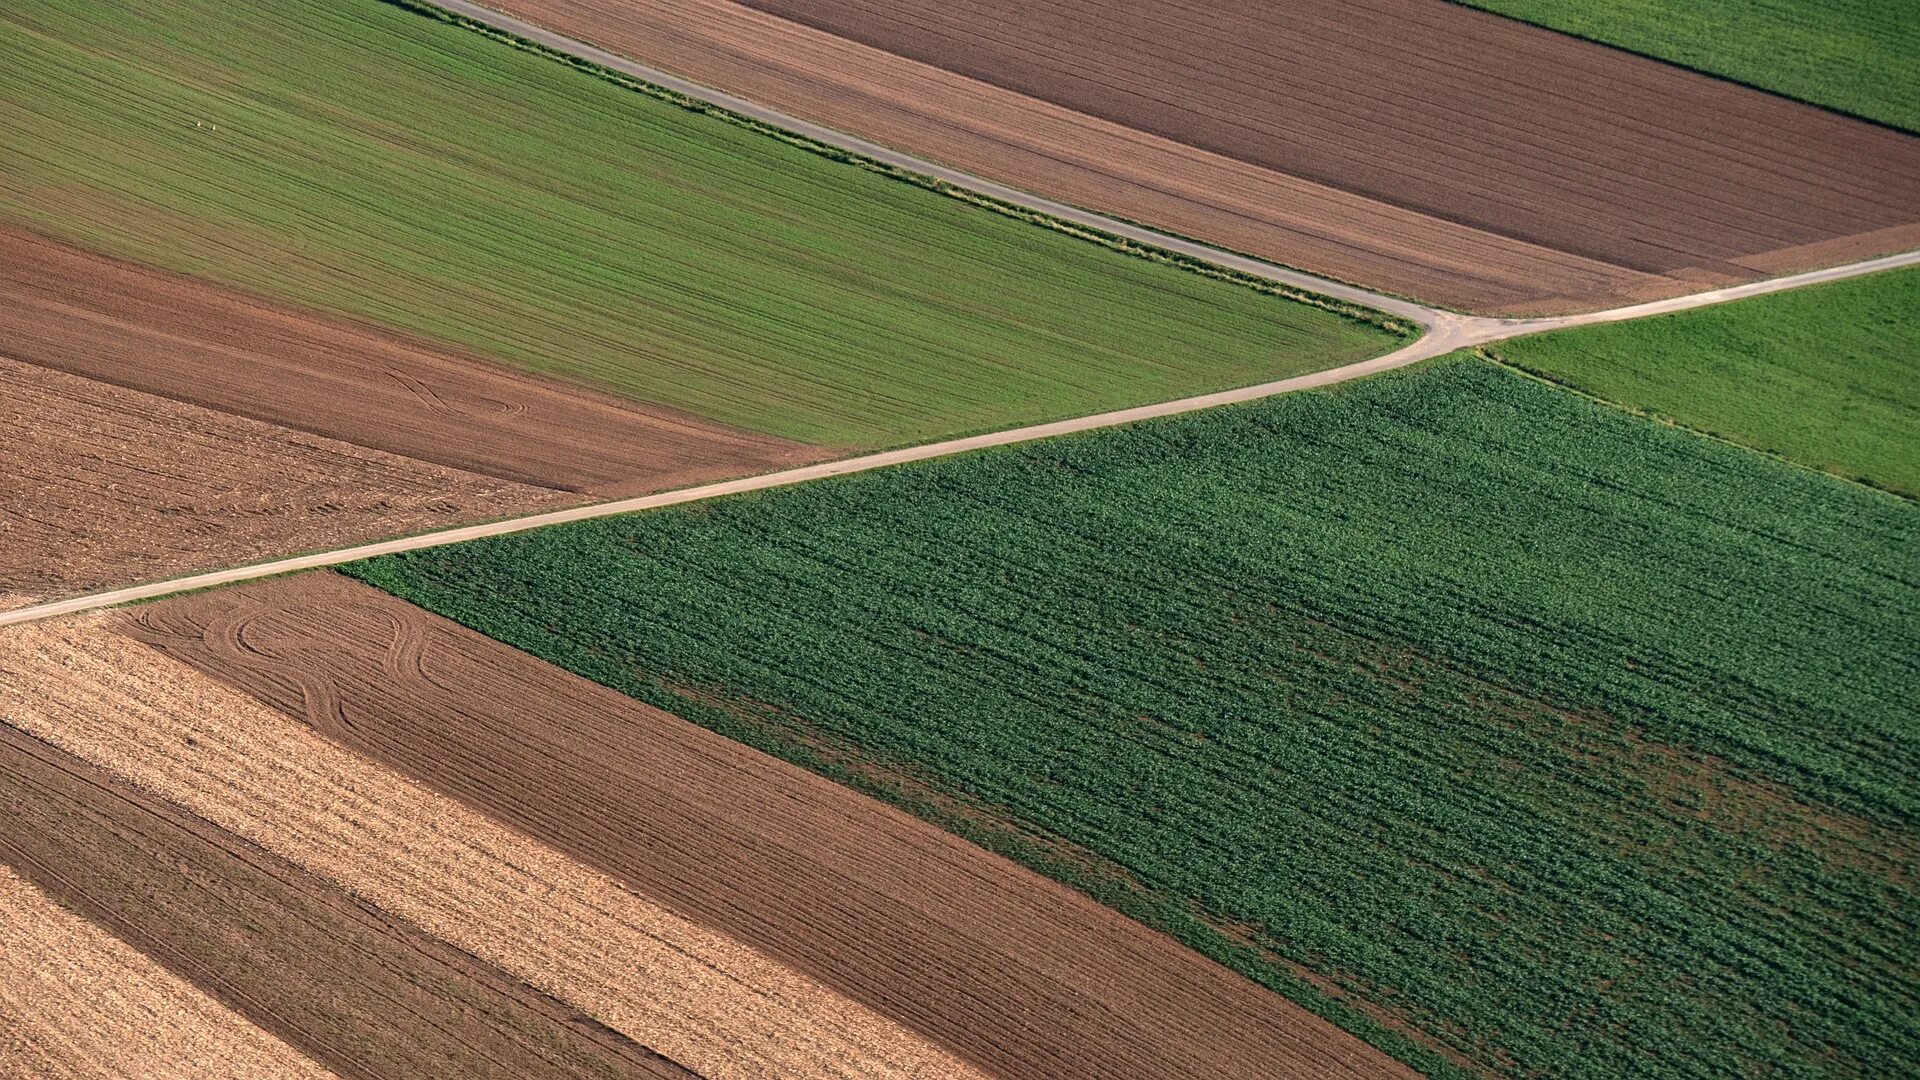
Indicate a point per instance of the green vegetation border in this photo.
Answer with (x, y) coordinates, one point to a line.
(1355, 312)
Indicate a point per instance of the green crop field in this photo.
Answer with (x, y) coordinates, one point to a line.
(1827, 376)
(378, 162)
(1572, 743)
(1853, 56)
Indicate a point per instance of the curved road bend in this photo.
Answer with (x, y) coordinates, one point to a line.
(1446, 332)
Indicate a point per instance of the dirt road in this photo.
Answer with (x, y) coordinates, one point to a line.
(1446, 333)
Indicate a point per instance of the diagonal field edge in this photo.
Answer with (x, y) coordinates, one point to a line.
(1449, 333)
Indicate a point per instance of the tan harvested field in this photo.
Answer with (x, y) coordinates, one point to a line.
(1411, 145)
(360, 991)
(413, 859)
(101, 486)
(1020, 975)
(77, 1003)
(199, 343)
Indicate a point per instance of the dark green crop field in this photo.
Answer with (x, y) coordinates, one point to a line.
(368, 160)
(1828, 376)
(1571, 743)
(1853, 56)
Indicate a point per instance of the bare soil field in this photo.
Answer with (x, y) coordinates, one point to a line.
(1410, 145)
(1020, 975)
(100, 486)
(361, 992)
(199, 343)
(412, 858)
(77, 1003)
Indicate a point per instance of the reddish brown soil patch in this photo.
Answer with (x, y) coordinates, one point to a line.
(102, 486)
(1019, 974)
(360, 992)
(1412, 145)
(195, 342)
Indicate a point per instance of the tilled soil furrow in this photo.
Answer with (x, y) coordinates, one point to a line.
(361, 992)
(77, 1003)
(1416, 146)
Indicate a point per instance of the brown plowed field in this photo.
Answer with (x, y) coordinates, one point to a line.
(360, 992)
(103, 486)
(205, 345)
(1018, 974)
(77, 1003)
(706, 1001)
(1411, 145)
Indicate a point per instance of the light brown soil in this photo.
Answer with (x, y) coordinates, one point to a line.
(77, 1003)
(706, 1001)
(1021, 975)
(195, 342)
(360, 991)
(102, 486)
(1411, 145)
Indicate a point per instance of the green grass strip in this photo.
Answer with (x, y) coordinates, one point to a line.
(411, 172)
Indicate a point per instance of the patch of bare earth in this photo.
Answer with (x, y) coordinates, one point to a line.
(1020, 975)
(199, 343)
(77, 1003)
(358, 990)
(294, 807)
(101, 486)
(1411, 145)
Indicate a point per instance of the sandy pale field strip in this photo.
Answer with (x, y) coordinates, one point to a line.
(369, 996)
(195, 342)
(101, 485)
(701, 999)
(77, 1003)
(1024, 976)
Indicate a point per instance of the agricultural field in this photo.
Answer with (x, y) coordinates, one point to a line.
(370, 160)
(1853, 56)
(1823, 376)
(75, 1000)
(1475, 705)
(1422, 148)
(1516, 733)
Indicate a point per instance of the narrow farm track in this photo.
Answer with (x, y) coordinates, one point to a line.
(1446, 332)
